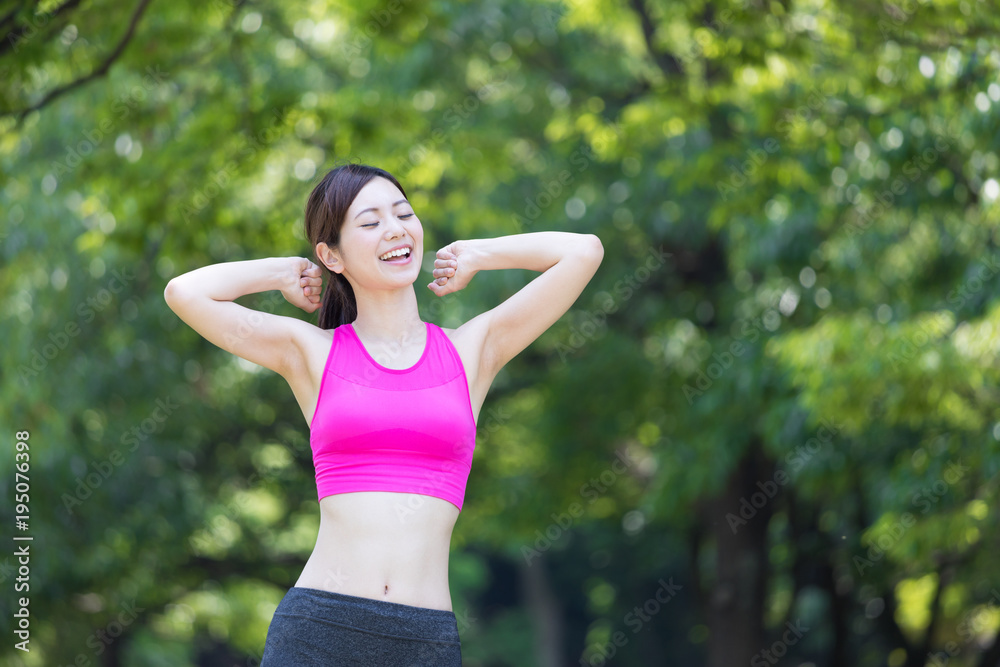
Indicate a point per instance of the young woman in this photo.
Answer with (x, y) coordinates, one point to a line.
(391, 403)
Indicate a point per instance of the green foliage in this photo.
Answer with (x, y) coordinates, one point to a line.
(799, 208)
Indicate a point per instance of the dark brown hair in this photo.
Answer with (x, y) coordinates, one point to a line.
(326, 210)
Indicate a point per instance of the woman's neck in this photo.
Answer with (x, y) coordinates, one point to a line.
(388, 315)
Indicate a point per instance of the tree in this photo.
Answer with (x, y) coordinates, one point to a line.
(767, 432)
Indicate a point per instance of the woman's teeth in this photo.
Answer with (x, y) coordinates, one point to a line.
(395, 253)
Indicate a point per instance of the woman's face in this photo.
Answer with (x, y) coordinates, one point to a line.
(380, 220)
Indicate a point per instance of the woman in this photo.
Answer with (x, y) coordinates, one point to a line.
(391, 402)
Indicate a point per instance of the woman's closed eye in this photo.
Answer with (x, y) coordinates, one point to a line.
(402, 217)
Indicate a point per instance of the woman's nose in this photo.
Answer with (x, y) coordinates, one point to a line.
(393, 229)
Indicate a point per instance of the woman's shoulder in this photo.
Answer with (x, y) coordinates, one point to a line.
(472, 329)
(468, 338)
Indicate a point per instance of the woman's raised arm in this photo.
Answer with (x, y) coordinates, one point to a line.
(203, 298)
(567, 261)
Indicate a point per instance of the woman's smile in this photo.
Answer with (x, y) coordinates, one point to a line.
(399, 255)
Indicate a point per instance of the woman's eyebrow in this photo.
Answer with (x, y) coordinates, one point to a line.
(375, 208)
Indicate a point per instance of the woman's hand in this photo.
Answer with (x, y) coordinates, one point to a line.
(305, 286)
(453, 268)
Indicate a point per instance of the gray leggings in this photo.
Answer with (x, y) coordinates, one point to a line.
(317, 628)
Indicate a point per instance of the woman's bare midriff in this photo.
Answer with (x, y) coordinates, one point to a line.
(384, 546)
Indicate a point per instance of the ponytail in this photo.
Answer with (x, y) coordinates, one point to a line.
(339, 305)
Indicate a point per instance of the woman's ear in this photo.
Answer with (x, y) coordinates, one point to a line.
(329, 257)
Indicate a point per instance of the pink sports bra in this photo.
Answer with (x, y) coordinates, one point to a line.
(382, 429)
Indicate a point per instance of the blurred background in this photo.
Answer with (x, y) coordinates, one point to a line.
(767, 433)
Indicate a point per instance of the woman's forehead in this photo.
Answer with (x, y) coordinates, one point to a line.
(377, 192)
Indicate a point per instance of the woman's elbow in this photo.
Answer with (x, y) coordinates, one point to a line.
(173, 292)
(591, 247)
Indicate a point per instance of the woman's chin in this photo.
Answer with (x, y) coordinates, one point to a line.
(400, 281)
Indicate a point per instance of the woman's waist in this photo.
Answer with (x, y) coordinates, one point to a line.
(383, 545)
(413, 572)
(380, 560)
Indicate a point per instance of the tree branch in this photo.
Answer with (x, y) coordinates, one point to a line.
(10, 15)
(8, 41)
(101, 70)
(667, 62)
